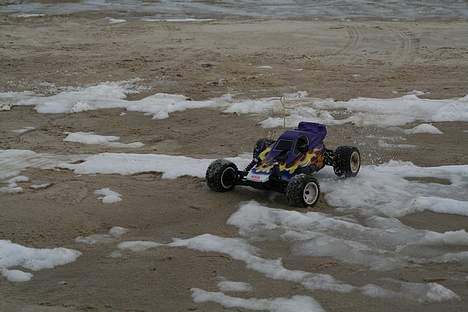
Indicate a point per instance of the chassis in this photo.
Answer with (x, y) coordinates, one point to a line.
(287, 165)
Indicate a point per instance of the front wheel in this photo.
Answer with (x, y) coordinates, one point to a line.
(347, 161)
(303, 190)
(221, 175)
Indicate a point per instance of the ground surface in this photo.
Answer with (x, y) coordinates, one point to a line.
(336, 59)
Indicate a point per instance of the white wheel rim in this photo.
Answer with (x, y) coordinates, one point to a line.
(355, 162)
(311, 193)
(222, 177)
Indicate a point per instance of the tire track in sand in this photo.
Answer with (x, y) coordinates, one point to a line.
(408, 46)
(354, 40)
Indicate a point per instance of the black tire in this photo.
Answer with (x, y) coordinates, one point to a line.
(347, 161)
(305, 170)
(261, 145)
(221, 175)
(299, 190)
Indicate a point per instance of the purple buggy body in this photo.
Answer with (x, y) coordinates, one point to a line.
(287, 165)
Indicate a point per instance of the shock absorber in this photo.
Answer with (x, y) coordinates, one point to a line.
(329, 157)
(275, 171)
(252, 164)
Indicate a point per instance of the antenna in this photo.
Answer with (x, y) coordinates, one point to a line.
(283, 104)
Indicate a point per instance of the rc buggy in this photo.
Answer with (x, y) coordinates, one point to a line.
(287, 165)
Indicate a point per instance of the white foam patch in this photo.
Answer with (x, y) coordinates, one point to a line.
(423, 293)
(138, 246)
(14, 161)
(103, 96)
(381, 189)
(385, 190)
(5, 107)
(94, 239)
(423, 128)
(177, 20)
(114, 233)
(16, 275)
(241, 250)
(378, 243)
(116, 20)
(23, 130)
(12, 185)
(125, 164)
(292, 304)
(40, 186)
(107, 196)
(95, 139)
(29, 15)
(14, 255)
(369, 111)
(291, 109)
(118, 231)
(264, 67)
(384, 144)
(226, 286)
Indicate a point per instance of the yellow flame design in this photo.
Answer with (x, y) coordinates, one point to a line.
(315, 157)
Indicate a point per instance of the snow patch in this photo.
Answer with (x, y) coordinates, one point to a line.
(94, 139)
(364, 112)
(241, 250)
(423, 293)
(35, 259)
(107, 196)
(125, 164)
(23, 130)
(177, 20)
(16, 275)
(117, 231)
(138, 246)
(423, 128)
(29, 15)
(385, 190)
(292, 304)
(115, 20)
(114, 233)
(291, 108)
(40, 186)
(382, 189)
(226, 286)
(377, 243)
(103, 96)
(5, 107)
(12, 186)
(384, 144)
(14, 161)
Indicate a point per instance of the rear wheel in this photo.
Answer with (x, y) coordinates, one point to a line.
(221, 175)
(303, 190)
(347, 161)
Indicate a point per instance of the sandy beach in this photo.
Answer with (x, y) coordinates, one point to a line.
(248, 58)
